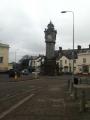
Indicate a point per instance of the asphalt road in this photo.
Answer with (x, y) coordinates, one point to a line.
(46, 98)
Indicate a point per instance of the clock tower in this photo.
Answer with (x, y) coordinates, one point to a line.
(50, 38)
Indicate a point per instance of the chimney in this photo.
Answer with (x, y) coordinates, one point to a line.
(79, 47)
(60, 49)
(89, 46)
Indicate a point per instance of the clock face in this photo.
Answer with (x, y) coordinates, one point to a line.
(49, 37)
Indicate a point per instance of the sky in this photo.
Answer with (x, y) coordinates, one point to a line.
(22, 25)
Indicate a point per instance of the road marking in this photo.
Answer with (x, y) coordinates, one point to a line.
(3, 114)
(8, 96)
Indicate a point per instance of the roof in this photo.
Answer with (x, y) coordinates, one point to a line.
(68, 53)
(4, 45)
(40, 57)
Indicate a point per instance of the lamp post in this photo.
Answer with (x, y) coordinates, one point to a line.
(15, 57)
(71, 82)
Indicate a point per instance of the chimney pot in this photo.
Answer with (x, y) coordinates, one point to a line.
(60, 48)
(89, 46)
(79, 47)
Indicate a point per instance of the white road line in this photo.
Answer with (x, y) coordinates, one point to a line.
(3, 114)
(11, 96)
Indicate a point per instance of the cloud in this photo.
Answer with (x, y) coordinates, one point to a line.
(22, 24)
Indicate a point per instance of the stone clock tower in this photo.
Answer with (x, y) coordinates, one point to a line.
(50, 38)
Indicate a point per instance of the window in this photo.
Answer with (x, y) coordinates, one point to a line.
(74, 61)
(80, 69)
(65, 61)
(60, 62)
(1, 59)
(65, 68)
(74, 68)
(84, 60)
(86, 69)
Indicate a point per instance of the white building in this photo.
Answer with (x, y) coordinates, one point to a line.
(4, 56)
(81, 60)
(83, 63)
(66, 64)
(36, 62)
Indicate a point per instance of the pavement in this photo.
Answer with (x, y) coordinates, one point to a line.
(50, 100)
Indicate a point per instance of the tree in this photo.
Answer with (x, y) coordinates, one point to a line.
(24, 62)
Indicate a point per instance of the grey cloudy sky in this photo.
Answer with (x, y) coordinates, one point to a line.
(22, 24)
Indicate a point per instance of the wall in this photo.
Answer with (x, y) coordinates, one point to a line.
(4, 51)
(67, 64)
(80, 63)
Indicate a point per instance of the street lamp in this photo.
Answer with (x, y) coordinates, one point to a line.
(71, 83)
(15, 57)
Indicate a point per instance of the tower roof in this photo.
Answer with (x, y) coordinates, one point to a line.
(50, 29)
(50, 25)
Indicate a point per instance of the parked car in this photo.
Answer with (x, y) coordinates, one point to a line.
(11, 73)
(25, 72)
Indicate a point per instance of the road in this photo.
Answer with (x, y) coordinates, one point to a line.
(46, 98)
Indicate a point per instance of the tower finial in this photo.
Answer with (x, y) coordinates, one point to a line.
(50, 25)
(50, 22)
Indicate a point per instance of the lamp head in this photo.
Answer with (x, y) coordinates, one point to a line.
(63, 11)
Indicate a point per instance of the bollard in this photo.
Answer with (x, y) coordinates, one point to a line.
(15, 76)
(35, 75)
(68, 83)
(75, 80)
(80, 81)
(82, 101)
(75, 93)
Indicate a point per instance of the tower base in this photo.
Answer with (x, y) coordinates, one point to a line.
(50, 67)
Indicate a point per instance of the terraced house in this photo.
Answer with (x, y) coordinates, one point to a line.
(83, 63)
(4, 57)
(81, 60)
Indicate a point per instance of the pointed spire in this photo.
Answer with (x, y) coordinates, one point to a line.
(50, 25)
(50, 22)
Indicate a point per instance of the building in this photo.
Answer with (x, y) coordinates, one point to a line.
(10, 66)
(37, 62)
(65, 64)
(83, 63)
(4, 57)
(81, 60)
